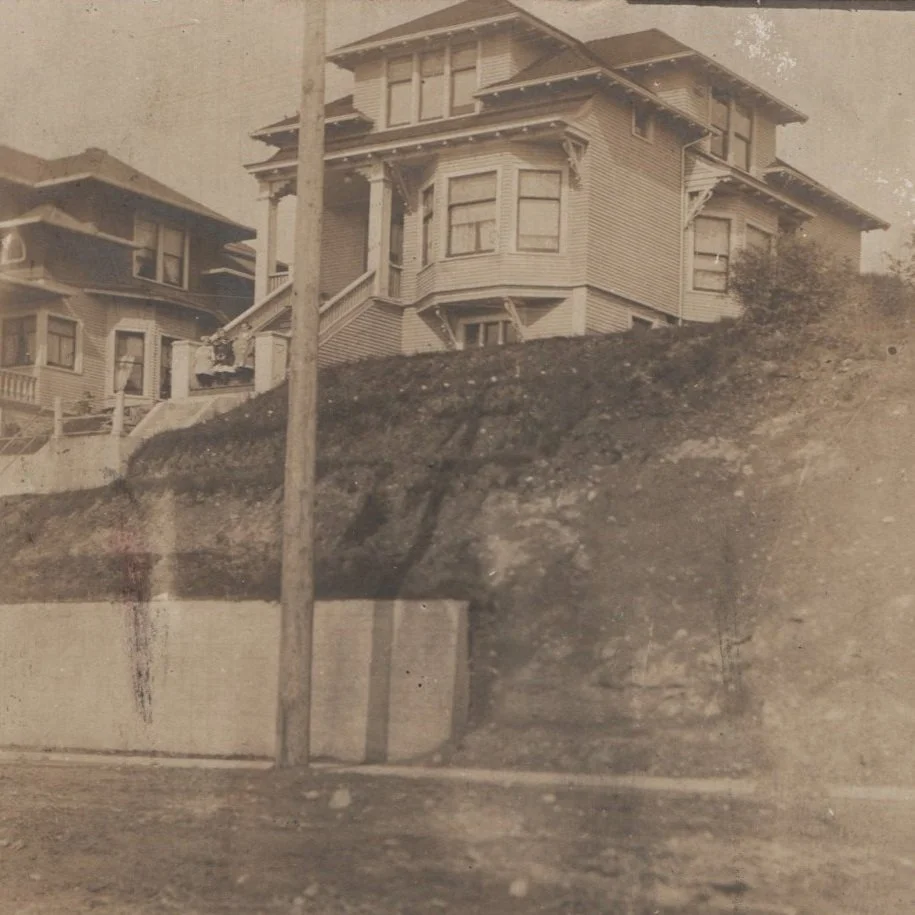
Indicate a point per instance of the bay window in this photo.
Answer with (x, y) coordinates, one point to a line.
(539, 210)
(472, 214)
(711, 253)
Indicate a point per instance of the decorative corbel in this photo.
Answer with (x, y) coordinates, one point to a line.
(575, 151)
(402, 184)
(446, 326)
(512, 310)
(696, 203)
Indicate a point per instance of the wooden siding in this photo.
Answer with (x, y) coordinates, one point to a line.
(838, 236)
(606, 313)
(681, 88)
(548, 320)
(343, 250)
(422, 333)
(635, 208)
(374, 332)
(699, 305)
(368, 87)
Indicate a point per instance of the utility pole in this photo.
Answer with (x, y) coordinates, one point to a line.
(297, 600)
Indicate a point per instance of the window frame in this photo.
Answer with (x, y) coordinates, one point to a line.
(496, 202)
(427, 225)
(729, 221)
(161, 227)
(560, 210)
(36, 344)
(728, 133)
(77, 345)
(637, 109)
(148, 331)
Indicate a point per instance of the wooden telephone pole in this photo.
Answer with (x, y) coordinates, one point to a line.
(297, 600)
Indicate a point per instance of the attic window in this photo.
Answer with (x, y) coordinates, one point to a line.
(12, 248)
(434, 84)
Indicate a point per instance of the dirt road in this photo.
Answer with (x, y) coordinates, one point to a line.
(131, 840)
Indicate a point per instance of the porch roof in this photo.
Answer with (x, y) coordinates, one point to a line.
(728, 175)
(454, 130)
(493, 296)
(338, 113)
(154, 292)
(39, 288)
(791, 179)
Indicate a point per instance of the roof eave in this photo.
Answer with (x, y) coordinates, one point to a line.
(339, 56)
(868, 221)
(599, 74)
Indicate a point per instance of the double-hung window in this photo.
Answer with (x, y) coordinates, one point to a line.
(742, 136)
(19, 339)
(431, 85)
(161, 253)
(711, 253)
(428, 224)
(400, 91)
(721, 123)
(61, 342)
(463, 78)
(472, 214)
(539, 210)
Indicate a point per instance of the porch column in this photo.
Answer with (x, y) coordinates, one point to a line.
(265, 264)
(381, 201)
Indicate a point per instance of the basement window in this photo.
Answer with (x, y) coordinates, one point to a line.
(486, 333)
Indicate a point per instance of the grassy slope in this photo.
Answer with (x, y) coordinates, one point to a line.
(611, 568)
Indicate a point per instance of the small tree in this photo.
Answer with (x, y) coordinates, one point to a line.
(795, 283)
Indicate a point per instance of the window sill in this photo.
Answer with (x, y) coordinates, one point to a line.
(649, 139)
(464, 257)
(63, 368)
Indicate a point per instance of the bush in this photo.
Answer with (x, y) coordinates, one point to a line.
(796, 284)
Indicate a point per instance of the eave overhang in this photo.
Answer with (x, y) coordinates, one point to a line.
(529, 127)
(70, 225)
(600, 76)
(786, 114)
(191, 302)
(790, 179)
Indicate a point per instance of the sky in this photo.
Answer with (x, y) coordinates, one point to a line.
(175, 87)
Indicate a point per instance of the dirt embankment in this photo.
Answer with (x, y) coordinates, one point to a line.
(619, 510)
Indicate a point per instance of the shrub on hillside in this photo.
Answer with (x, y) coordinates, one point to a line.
(798, 282)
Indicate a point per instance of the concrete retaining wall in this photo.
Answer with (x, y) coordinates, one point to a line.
(390, 679)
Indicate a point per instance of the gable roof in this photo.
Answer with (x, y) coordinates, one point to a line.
(98, 165)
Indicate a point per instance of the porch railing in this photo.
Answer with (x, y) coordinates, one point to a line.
(335, 310)
(275, 280)
(18, 387)
(263, 312)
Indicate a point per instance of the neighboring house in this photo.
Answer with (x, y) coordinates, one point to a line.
(492, 179)
(101, 269)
